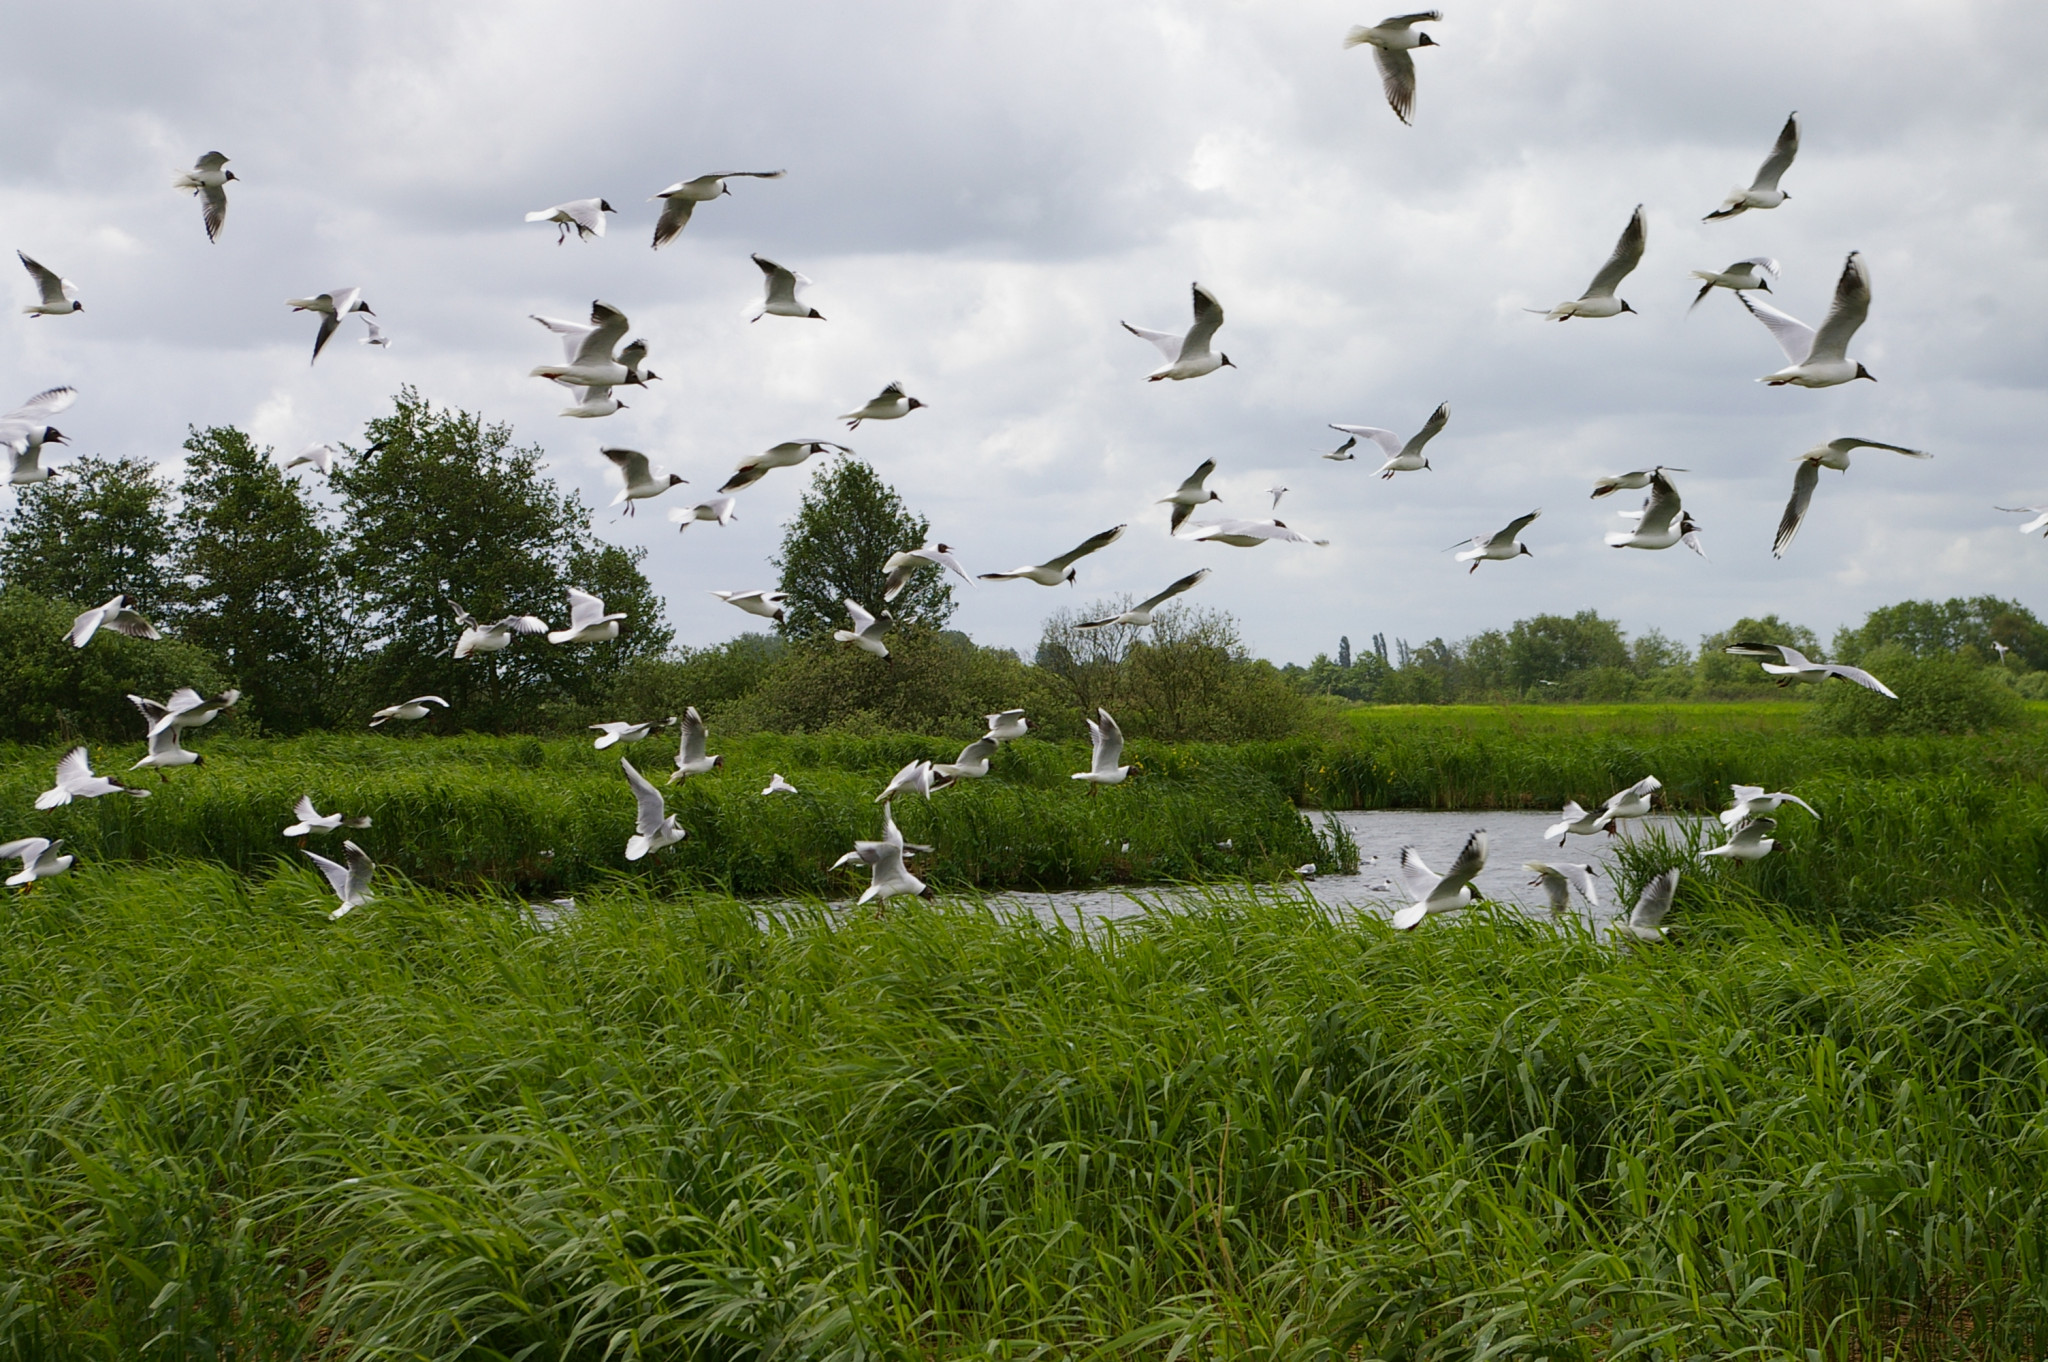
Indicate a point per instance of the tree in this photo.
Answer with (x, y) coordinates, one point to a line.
(845, 529)
(1344, 651)
(1927, 629)
(101, 528)
(1551, 648)
(1184, 678)
(1725, 676)
(56, 692)
(258, 581)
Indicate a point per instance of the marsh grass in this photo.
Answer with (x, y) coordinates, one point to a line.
(1247, 1127)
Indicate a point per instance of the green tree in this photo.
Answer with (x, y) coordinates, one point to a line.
(1553, 648)
(845, 529)
(1724, 677)
(1929, 628)
(1939, 692)
(56, 692)
(101, 528)
(259, 585)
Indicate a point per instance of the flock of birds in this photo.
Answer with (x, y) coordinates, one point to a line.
(598, 360)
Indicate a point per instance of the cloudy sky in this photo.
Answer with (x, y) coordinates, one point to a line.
(982, 191)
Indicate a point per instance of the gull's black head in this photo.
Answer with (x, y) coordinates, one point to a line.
(1765, 285)
(1215, 496)
(724, 188)
(1525, 552)
(229, 176)
(1072, 573)
(914, 405)
(605, 207)
(815, 315)
(1424, 40)
(1626, 308)
(1226, 361)
(676, 479)
(199, 760)
(1862, 372)
(54, 436)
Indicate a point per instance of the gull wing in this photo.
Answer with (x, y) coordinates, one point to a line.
(1208, 316)
(1850, 442)
(337, 874)
(28, 850)
(1169, 342)
(1661, 507)
(1471, 860)
(1794, 337)
(1397, 78)
(1861, 678)
(360, 868)
(1431, 428)
(53, 289)
(1108, 741)
(1778, 651)
(214, 208)
(976, 752)
(584, 608)
(304, 810)
(630, 462)
(1655, 901)
(653, 811)
(1517, 525)
(1186, 583)
(1385, 439)
(1419, 878)
(692, 747)
(675, 215)
(73, 769)
(522, 624)
(1851, 306)
(1780, 159)
(1628, 253)
(1762, 262)
(1193, 482)
(781, 282)
(152, 711)
(1093, 544)
(862, 620)
(572, 333)
(1803, 482)
(1406, 20)
(46, 403)
(608, 327)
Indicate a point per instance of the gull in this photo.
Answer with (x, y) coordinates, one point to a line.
(916, 778)
(587, 352)
(1342, 453)
(376, 336)
(766, 604)
(1743, 274)
(1636, 481)
(1249, 534)
(419, 707)
(1061, 569)
(2001, 649)
(1503, 547)
(899, 566)
(39, 860)
(864, 853)
(311, 820)
(1402, 456)
(351, 882)
(118, 615)
(1140, 614)
(495, 636)
(586, 216)
(1430, 893)
(1107, 741)
(1187, 356)
(186, 708)
(594, 402)
(887, 405)
(1750, 841)
(690, 758)
(1559, 880)
(1645, 920)
(164, 753)
(1191, 494)
(209, 183)
(2040, 514)
(1598, 300)
(722, 510)
(332, 306)
(780, 286)
(680, 199)
(777, 785)
(1007, 726)
(1820, 358)
(57, 296)
(1751, 801)
(25, 430)
(971, 764)
(1580, 821)
(614, 732)
(867, 630)
(588, 622)
(75, 780)
(639, 479)
(788, 454)
(1763, 191)
(320, 456)
(1662, 522)
(1276, 493)
(1634, 802)
(1834, 454)
(890, 879)
(1391, 41)
(1792, 665)
(654, 827)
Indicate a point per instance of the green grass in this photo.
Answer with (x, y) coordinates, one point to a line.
(1249, 1128)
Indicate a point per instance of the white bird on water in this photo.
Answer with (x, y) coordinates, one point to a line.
(1140, 614)
(320, 456)
(25, 430)
(1834, 454)
(1249, 534)
(1662, 522)
(311, 820)
(1403, 456)
(584, 216)
(118, 614)
(1391, 41)
(780, 288)
(766, 604)
(1107, 750)
(1820, 359)
(1752, 801)
(75, 780)
(1792, 665)
(411, 711)
(690, 757)
(680, 199)
(2040, 514)
(1187, 354)
(866, 633)
(615, 732)
(1061, 569)
(55, 297)
(898, 567)
(332, 306)
(588, 622)
(1430, 893)
(1598, 300)
(1560, 879)
(39, 859)
(788, 454)
(1190, 494)
(1743, 274)
(718, 510)
(1503, 546)
(495, 636)
(350, 882)
(208, 181)
(1749, 841)
(890, 404)
(638, 477)
(1636, 481)
(1646, 919)
(1763, 191)
(654, 827)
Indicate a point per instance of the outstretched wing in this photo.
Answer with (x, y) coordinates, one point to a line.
(47, 283)
(1471, 860)
(862, 620)
(1169, 342)
(1777, 652)
(1208, 316)
(1780, 159)
(336, 873)
(1794, 337)
(607, 328)
(1186, 583)
(692, 748)
(1851, 306)
(1087, 546)
(1861, 678)
(1193, 482)
(1385, 439)
(1419, 878)
(651, 812)
(46, 403)
(1655, 901)
(1803, 482)
(1431, 428)
(1108, 740)
(1517, 525)
(1850, 442)
(675, 215)
(1397, 78)
(584, 608)
(631, 463)
(1628, 253)
(1661, 507)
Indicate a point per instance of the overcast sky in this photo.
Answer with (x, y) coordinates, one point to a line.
(982, 191)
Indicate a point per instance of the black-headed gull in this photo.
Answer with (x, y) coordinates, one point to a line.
(1007, 726)
(165, 752)
(766, 604)
(1636, 801)
(1646, 920)
(311, 820)
(1747, 841)
(332, 306)
(1391, 41)
(690, 757)
(788, 454)
(1834, 454)
(1503, 546)
(1191, 494)
(583, 216)
(1276, 493)
(1430, 893)
(866, 633)
(588, 622)
(1662, 522)
(1598, 300)
(75, 780)
(1753, 801)
(39, 859)
(864, 853)
(350, 882)
(1187, 353)
(118, 615)
(1584, 822)
(1342, 453)
(1820, 359)
(718, 510)
(1763, 191)
(1106, 751)
(779, 288)
(1141, 614)
(1743, 274)
(55, 297)
(639, 478)
(971, 764)
(25, 430)
(2040, 514)
(1791, 665)
(680, 199)
(186, 708)
(1635, 481)
(1560, 879)
(375, 337)
(1403, 456)
(613, 733)
(915, 778)
(320, 456)
(1061, 569)
(890, 880)
(777, 785)
(208, 181)
(899, 567)
(890, 404)
(654, 827)
(495, 636)
(411, 711)
(1249, 534)
(587, 352)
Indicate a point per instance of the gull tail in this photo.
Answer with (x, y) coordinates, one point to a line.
(1705, 289)
(1618, 540)
(636, 847)
(1410, 917)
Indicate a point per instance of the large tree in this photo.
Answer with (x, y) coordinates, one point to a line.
(848, 525)
(102, 526)
(1931, 629)
(258, 580)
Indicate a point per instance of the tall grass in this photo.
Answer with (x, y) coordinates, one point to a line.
(1248, 1128)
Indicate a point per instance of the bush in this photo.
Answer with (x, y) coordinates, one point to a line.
(56, 691)
(711, 678)
(1942, 693)
(932, 682)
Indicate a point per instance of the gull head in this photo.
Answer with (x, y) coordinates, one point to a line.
(676, 480)
(54, 436)
(604, 206)
(1224, 362)
(914, 403)
(1424, 40)
(1525, 553)
(1862, 372)
(229, 176)
(1072, 573)
(1626, 308)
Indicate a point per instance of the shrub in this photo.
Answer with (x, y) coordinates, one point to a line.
(932, 682)
(1941, 693)
(56, 691)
